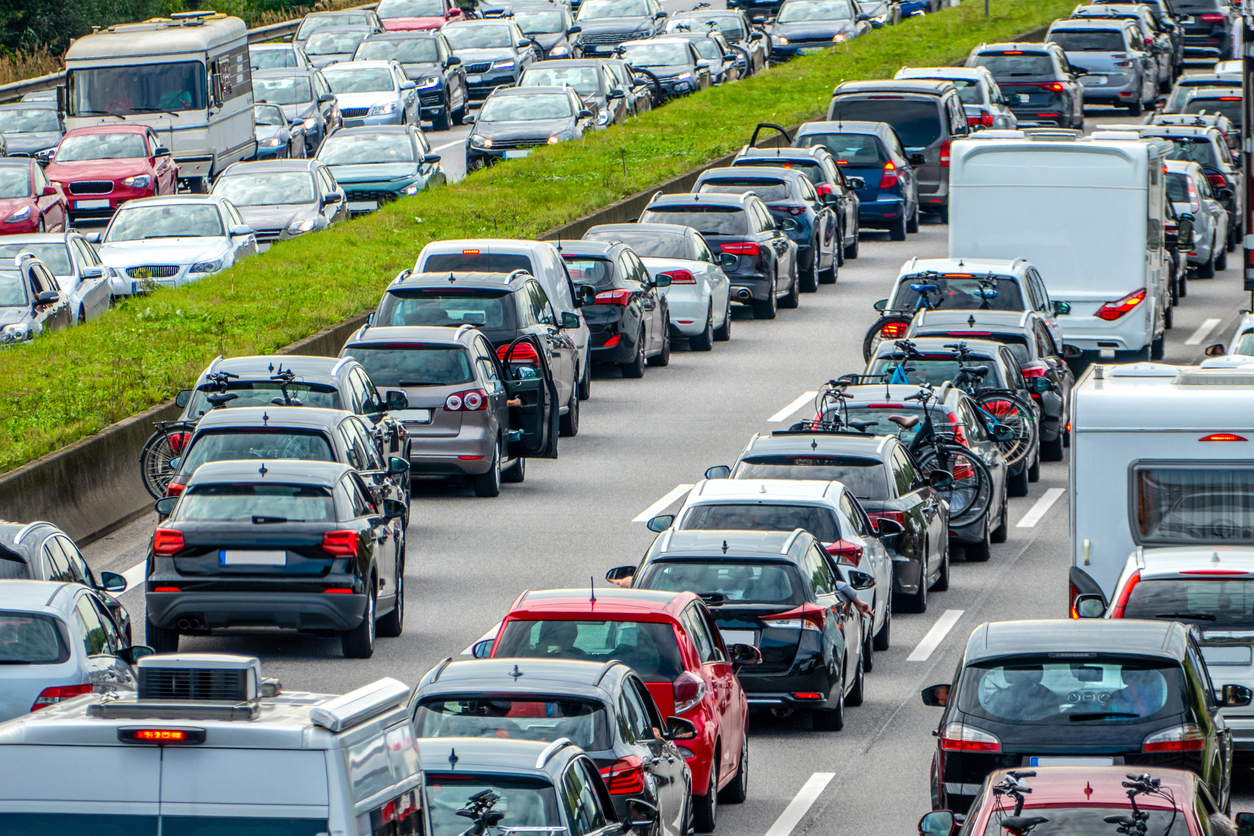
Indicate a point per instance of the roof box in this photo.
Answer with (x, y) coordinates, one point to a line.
(361, 705)
(1123, 135)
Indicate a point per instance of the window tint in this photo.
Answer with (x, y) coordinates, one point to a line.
(262, 444)
(696, 629)
(372, 459)
(91, 632)
(1090, 40)
(363, 505)
(708, 220)
(476, 262)
(396, 364)
(54, 563)
(853, 512)
(1003, 66)
(579, 789)
(74, 560)
(484, 360)
(740, 583)
(584, 722)
(491, 310)
(30, 638)
(901, 472)
(917, 122)
(957, 293)
(1216, 603)
(540, 307)
(865, 477)
(815, 519)
(349, 439)
(633, 719)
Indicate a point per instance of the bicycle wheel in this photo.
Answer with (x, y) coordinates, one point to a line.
(890, 327)
(972, 490)
(1003, 409)
(154, 463)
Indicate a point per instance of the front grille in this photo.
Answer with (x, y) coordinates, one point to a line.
(800, 41)
(354, 112)
(92, 187)
(199, 684)
(609, 38)
(482, 67)
(431, 100)
(382, 197)
(153, 271)
(268, 234)
(520, 143)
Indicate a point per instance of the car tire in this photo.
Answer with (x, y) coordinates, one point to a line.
(1017, 483)
(723, 332)
(912, 223)
(831, 719)
(765, 308)
(444, 121)
(160, 639)
(792, 298)
(705, 340)
(868, 655)
(570, 421)
(980, 552)
(585, 383)
(358, 643)
(488, 484)
(829, 275)
(1221, 262)
(810, 276)
(1207, 270)
(663, 358)
(884, 636)
(705, 807)
(516, 472)
(851, 251)
(942, 579)
(634, 369)
(1002, 531)
(738, 789)
(1034, 469)
(393, 624)
(1136, 108)
(1158, 347)
(1051, 451)
(917, 603)
(897, 230)
(1184, 284)
(858, 692)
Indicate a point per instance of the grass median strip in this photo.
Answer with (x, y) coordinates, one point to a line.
(66, 386)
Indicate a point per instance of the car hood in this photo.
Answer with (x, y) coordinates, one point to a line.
(615, 25)
(813, 29)
(373, 172)
(523, 130)
(163, 251)
(9, 205)
(8, 316)
(475, 56)
(407, 24)
(347, 100)
(31, 143)
(274, 217)
(97, 169)
(265, 132)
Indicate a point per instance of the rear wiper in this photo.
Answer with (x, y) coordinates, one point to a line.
(1101, 715)
(1190, 616)
(260, 520)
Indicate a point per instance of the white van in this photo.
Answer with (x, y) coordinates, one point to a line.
(1160, 456)
(208, 746)
(1087, 212)
(187, 76)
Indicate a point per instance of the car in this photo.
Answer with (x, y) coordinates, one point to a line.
(102, 167)
(1242, 343)
(495, 53)
(1167, 20)
(1221, 100)
(927, 115)
(333, 44)
(1208, 28)
(210, 568)
(802, 27)
(552, 28)
(1155, 38)
(1207, 146)
(29, 128)
(29, 202)
(789, 193)
(60, 642)
(171, 241)
(639, 89)
(276, 139)
(981, 97)
(373, 93)
(776, 591)
(416, 15)
(1189, 82)
(378, 165)
(591, 79)
(283, 199)
(1190, 191)
(723, 61)
(605, 710)
(78, 270)
(344, 17)
(1119, 67)
(304, 97)
(670, 640)
(275, 56)
(757, 11)
(1036, 80)
(606, 24)
(515, 314)
(756, 254)
(428, 60)
(513, 121)
(31, 300)
(699, 294)
(1231, 133)
(630, 320)
(674, 62)
(874, 471)
(1029, 691)
(881, 12)
(736, 30)
(872, 152)
(1029, 338)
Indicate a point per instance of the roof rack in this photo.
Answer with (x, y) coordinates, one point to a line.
(336, 368)
(462, 329)
(439, 669)
(792, 538)
(551, 750)
(515, 274)
(26, 529)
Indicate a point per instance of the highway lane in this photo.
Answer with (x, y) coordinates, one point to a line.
(573, 519)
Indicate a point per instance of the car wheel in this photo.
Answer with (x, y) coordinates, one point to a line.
(831, 719)
(942, 580)
(738, 790)
(585, 383)
(705, 807)
(570, 421)
(793, 297)
(1158, 347)
(723, 332)
(1002, 531)
(1207, 270)
(393, 624)
(857, 693)
(488, 484)
(358, 643)
(884, 635)
(868, 657)
(635, 368)
(1184, 284)
(705, 340)
(160, 639)
(829, 275)
(1137, 107)
(917, 602)
(1034, 469)
(516, 472)
(980, 552)
(1169, 317)
(1221, 262)
(1051, 451)
(663, 357)
(944, 210)
(1017, 483)
(809, 276)
(444, 121)
(897, 230)
(851, 251)
(912, 223)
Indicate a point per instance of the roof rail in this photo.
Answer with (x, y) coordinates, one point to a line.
(213, 365)
(336, 368)
(403, 275)
(358, 706)
(666, 540)
(439, 669)
(26, 529)
(551, 750)
(792, 538)
(462, 329)
(655, 196)
(515, 274)
(606, 669)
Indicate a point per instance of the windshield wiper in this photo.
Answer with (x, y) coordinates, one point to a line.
(1189, 616)
(155, 110)
(262, 520)
(1101, 715)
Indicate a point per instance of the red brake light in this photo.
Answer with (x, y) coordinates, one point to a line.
(1222, 437)
(1011, 52)
(683, 276)
(792, 210)
(748, 248)
(167, 541)
(470, 252)
(811, 615)
(1216, 180)
(898, 517)
(1212, 18)
(472, 400)
(614, 297)
(984, 120)
(340, 543)
(1052, 86)
(57, 693)
(960, 432)
(1113, 310)
(823, 189)
(844, 549)
(888, 180)
(625, 776)
(523, 353)
(1125, 595)
(1183, 738)
(958, 737)
(174, 489)
(688, 689)
(893, 330)
(944, 153)
(1035, 370)
(178, 442)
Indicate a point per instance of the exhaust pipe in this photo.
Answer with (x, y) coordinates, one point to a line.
(744, 294)
(189, 624)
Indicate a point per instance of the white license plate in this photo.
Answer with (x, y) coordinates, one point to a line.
(91, 204)
(474, 79)
(731, 637)
(416, 416)
(516, 154)
(1065, 761)
(1226, 655)
(1094, 80)
(810, 50)
(229, 557)
(363, 205)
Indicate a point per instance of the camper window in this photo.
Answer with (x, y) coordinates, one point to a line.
(138, 88)
(1186, 505)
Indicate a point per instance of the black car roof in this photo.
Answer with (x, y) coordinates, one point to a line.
(570, 677)
(1164, 639)
(285, 471)
(820, 444)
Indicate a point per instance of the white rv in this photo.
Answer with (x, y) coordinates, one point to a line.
(1161, 456)
(1087, 212)
(187, 76)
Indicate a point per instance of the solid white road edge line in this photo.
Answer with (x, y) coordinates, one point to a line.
(134, 576)
(448, 145)
(1042, 506)
(800, 804)
(650, 512)
(935, 636)
(784, 413)
(491, 634)
(1202, 332)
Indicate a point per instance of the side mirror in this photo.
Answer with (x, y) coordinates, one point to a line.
(483, 649)
(940, 480)
(788, 225)
(661, 522)
(937, 823)
(183, 398)
(454, 12)
(94, 237)
(453, 60)
(1071, 352)
(1220, 194)
(585, 294)
(397, 465)
(727, 259)
(131, 655)
(165, 506)
(936, 696)
(574, 30)
(662, 281)
(659, 15)
(570, 320)
(719, 471)
(1040, 385)
(620, 573)
(641, 816)
(161, 151)
(830, 199)
(677, 728)
(92, 272)
(468, 119)
(584, 114)
(861, 18)
(241, 229)
(862, 580)
(393, 509)
(431, 159)
(916, 159)
(1216, 350)
(48, 297)
(1062, 308)
(176, 463)
(332, 197)
(881, 305)
(112, 582)
(747, 654)
(617, 93)
(1090, 605)
(396, 399)
(409, 85)
(46, 156)
(888, 528)
(1245, 824)
(1236, 696)
(856, 183)
(326, 98)
(50, 190)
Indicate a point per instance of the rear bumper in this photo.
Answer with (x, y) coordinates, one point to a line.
(221, 608)
(760, 287)
(807, 677)
(1242, 731)
(467, 453)
(688, 307)
(882, 211)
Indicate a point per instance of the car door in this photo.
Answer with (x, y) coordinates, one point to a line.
(559, 346)
(825, 222)
(587, 812)
(53, 207)
(923, 501)
(668, 758)
(641, 732)
(384, 542)
(374, 469)
(328, 111)
(167, 172)
(93, 291)
(1199, 697)
(719, 677)
(489, 374)
(49, 317)
(770, 235)
(842, 632)
(536, 418)
(630, 267)
(101, 643)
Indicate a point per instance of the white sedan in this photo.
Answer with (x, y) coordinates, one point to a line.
(73, 262)
(172, 241)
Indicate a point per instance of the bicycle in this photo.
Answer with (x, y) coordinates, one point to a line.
(171, 438)
(834, 393)
(1010, 418)
(895, 323)
(970, 491)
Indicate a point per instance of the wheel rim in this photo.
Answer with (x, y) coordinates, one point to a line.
(370, 618)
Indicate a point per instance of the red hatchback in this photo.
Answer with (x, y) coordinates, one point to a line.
(28, 201)
(671, 641)
(416, 15)
(104, 166)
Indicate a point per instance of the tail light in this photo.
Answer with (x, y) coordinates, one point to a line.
(944, 153)
(688, 689)
(612, 341)
(1123, 65)
(1216, 180)
(804, 617)
(614, 297)
(685, 276)
(844, 549)
(174, 489)
(1183, 738)
(888, 180)
(962, 468)
(792, 210)
(959, 737)
(178, 442)
(1035, 370)
(960, 432)
(625, 776)
(1212, 18)
(749, 248)
(1073, 592)
(58, 693)
(984, 120)
(893, 330)
(1125, 595)
(523, 353)
(898, 517)
(340, 543)
(167, 541)
(823, 189)
(1052, 86)
(1113, 310)
(472, 400)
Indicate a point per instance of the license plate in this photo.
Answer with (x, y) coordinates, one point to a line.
(1065, 761)
(251, 558)
(1024, 98)
(810, 50)
(363, 205)
(1094, 80)
(513, 155)
(354, 123)
(737, 636)
(91, 204)
(416, 416)
(474, 79)
(1226, 655)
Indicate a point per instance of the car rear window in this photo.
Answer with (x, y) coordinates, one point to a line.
(1007, 66)
(768, 190)
(1229, 106)
(12, 566)
(1187, 505)
(738, 583)
(865, 477)
(476, 262)
(956, 293)
(708, 220)
(414, 364)
(260, 504)
(916, 121)
(648, 647)
(31, 639)
(932, 368)
(1081, 820)
(267, 392)
(1211, 602)
(850, 149)
(1018, 343)
(596, 272)
(1078, 693)
(489, 309)
(1089, 40)
(820, 522)
(1198, 150)
(583, 722)
(229, 445)
(1188, 7)
(1178, 189)
(646, 244)
(526, 805)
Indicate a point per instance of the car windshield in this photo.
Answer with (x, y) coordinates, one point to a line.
(333, 43)
(850, 149)
(931, 368)
(916, 122)
(12, 290)
(798, 10)
(739, 583)
(283, 91)
(956, 293)
(1006, 65)
(524, 804)
(409, 364)
(493, 310)
(271, 117)
(277, 443)
(655, 54)
(313, 23)
(28, 120)
(527, 108)
(728, 26)
(1081, 820)
(582, 79)
(968, 88)
(135, 223)
(1213, 602)
(594, 9)
(367, 148)
(410, 51)
(350, 80)
(410, 8)
(267, 392)
(54, 254)
(479, 37)
(1100, 689)
(244, 502)
(1229, 106)
(1188, 505)
(596, 272)
(80, 147)
(582, 722)
(15, 180)
(646, 244)
(28, 638)
(281, 187)
(271, 59)
(768, 190)
(539, 23)
(757, 516)
(708, 220)
(863, 477)
(1089, 40)
(1245, 345)
(647, 647)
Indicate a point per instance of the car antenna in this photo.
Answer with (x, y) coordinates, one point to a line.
(814, 444)
(592, 585)
(262, 470)
(452, 758)
(451, 278)
(516, 673)
(724, 547)
(971, 321)
(960, 263)
(265, 419)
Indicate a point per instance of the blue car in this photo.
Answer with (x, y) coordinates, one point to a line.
(921, 7)
(276, 140)
(889, 195)
(805, 26)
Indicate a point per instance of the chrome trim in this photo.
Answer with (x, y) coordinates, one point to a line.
(551, 750)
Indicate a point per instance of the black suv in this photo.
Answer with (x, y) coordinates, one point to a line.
(757, 255)
(1036, 81)
(514, 120)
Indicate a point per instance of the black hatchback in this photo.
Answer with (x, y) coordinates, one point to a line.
(1076, 692)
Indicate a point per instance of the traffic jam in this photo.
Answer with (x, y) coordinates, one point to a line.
(1002, 425)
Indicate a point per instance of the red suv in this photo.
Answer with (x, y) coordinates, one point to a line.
(671, 641)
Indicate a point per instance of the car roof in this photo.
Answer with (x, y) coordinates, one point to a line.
(286, 72)
(323, 474)
(1174, 166)
(845, 127)
(272, 417)
(532, 90)
(668, 38)
(975, 266)
(491, 754)
(405, 35)
(259, 366)
(41, 104)
(267, 166)
(174, 200)
(1079, 23)
(375, 129)
(344, 27)
(497, 21)
(765, 491)
(496, 281)
(921, 86)
(374, 64)
(750, 171)
(517, 676)
(34, 596)
(1214, 93)
(589, 248)
(787, 151)
(943, 72)
(652, 229)
(450, 335)
(1202, 562)
(936, 345)
(1165, 639)
(111, 128)
(999, 320)
(759, 545)
(648, 605)
(40, 238)
(496, 245)
(896, 393)
(16, 537)
(1097, 786)
(735, 200)
(821, 443)
(1028, 48)
(286, 45)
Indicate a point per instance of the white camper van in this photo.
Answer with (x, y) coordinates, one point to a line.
(1161, 456)
(1087, 212)
(187, 76)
